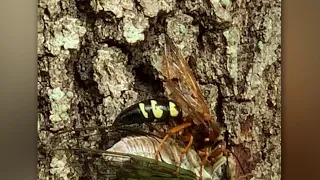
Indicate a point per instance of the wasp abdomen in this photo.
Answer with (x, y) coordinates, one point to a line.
(151, 110)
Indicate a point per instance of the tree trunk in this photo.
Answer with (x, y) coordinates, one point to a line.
(97, 57)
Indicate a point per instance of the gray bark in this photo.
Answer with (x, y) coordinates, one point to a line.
(97, 57)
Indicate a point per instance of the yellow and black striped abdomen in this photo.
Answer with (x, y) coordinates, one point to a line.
(151, 110)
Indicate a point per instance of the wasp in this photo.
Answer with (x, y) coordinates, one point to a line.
(168, 111)
(187, 108)
(198, 129)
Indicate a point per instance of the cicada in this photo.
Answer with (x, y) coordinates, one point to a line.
(132, 157)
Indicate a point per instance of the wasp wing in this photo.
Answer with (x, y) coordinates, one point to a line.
(183, 87)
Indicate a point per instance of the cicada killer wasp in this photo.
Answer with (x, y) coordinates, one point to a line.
(198, 130)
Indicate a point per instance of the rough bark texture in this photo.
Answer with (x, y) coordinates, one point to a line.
(97, 57)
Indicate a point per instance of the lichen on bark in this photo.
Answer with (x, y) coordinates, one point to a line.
(97, 57)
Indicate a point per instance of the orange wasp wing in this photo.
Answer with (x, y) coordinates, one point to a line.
(185, 89)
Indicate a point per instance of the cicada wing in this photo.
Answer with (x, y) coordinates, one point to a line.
(117, 165)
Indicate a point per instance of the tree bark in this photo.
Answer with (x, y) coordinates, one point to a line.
(97, 57)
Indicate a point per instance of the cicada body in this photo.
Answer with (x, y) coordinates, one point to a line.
(132, 157)
(146, 146)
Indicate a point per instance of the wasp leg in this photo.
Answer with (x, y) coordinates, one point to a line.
(170, 133)
(205, 155)
(217, 153)
(183, 152)
(186, 149)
